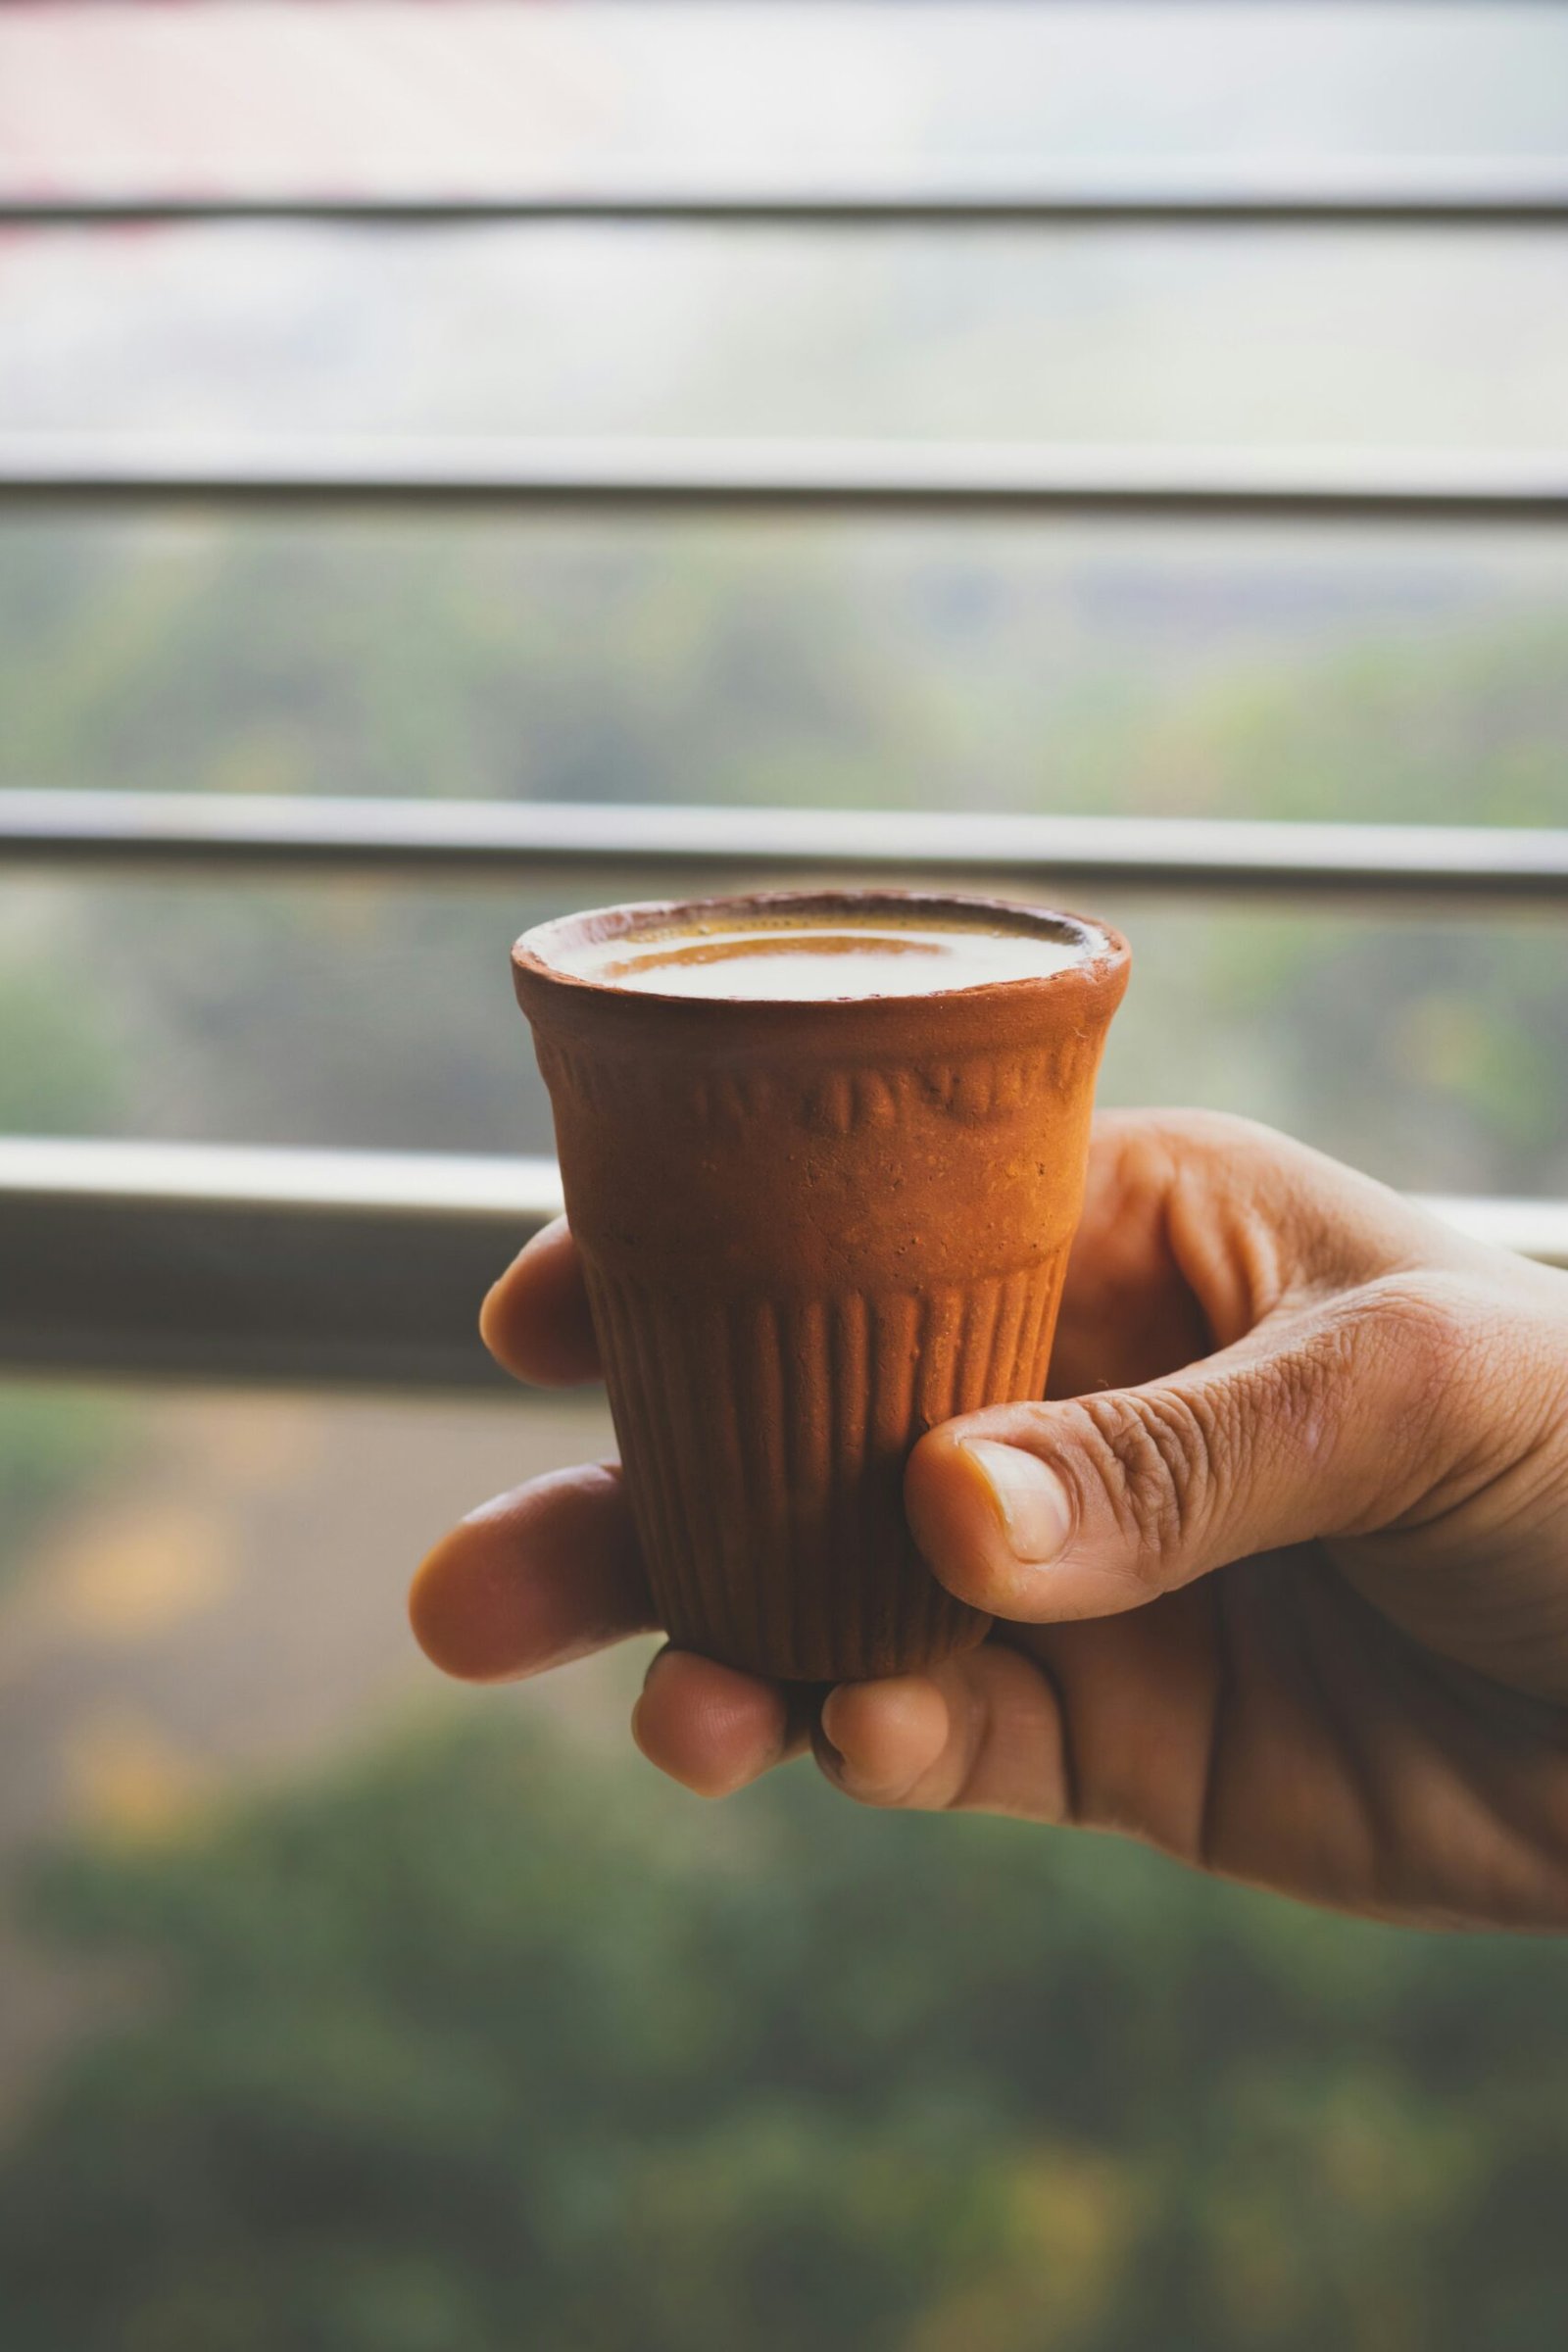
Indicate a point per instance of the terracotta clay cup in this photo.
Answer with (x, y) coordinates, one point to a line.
(810, 1230)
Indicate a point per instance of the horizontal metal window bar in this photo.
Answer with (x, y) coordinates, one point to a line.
(316, 1268)
(312, 1268)
(1499, 194)
(613, 848)
(282, 1181)
(846, 477)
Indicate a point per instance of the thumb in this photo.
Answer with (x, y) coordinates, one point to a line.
(1313, 1426)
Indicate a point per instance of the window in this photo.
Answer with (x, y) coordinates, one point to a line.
(439, 448)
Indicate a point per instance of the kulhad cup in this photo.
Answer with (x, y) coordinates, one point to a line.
(810, 1230)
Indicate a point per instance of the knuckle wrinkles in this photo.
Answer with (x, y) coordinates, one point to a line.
(1471, 1381)
(1408, 1360)
(1286, 1400)
(1153, 1461)
(1432, 1340)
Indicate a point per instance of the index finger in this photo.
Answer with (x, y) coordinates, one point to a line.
(535, 1320)
(1128, 1315)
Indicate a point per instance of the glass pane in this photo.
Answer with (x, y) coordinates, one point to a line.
(1216, 337)
(1179, 671)
(473, 96)
(1415, 676)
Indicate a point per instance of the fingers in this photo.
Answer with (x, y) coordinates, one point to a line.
(535, 1320)
(1331, 1422)
(982, 1733)
(540, 1576)
(550, 1573)
(1128, 1312)
(1197, 1226)
(713, 1729)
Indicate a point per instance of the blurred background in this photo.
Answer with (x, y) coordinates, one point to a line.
(338, 2010)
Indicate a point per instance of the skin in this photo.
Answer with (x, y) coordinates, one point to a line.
(1292, 1604)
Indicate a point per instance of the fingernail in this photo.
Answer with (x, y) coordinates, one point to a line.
(1029, 1498)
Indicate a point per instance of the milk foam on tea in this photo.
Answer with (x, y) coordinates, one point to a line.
(803, 957)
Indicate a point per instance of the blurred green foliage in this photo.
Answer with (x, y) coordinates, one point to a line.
(54, 1443)
(57, 1068)
(891, 666)
(483, 2044)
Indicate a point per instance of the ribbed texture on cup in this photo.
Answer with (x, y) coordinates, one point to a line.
(764, 1442)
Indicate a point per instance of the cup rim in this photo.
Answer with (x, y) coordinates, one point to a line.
(1105, 949)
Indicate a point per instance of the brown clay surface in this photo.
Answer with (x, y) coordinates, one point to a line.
(811, 1230)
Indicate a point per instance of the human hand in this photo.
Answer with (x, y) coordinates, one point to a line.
(1280, 1573)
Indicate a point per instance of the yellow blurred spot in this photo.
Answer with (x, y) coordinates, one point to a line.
(1067, 2224)
(125, 1777)
(123, 1575)
(1075, 2207)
